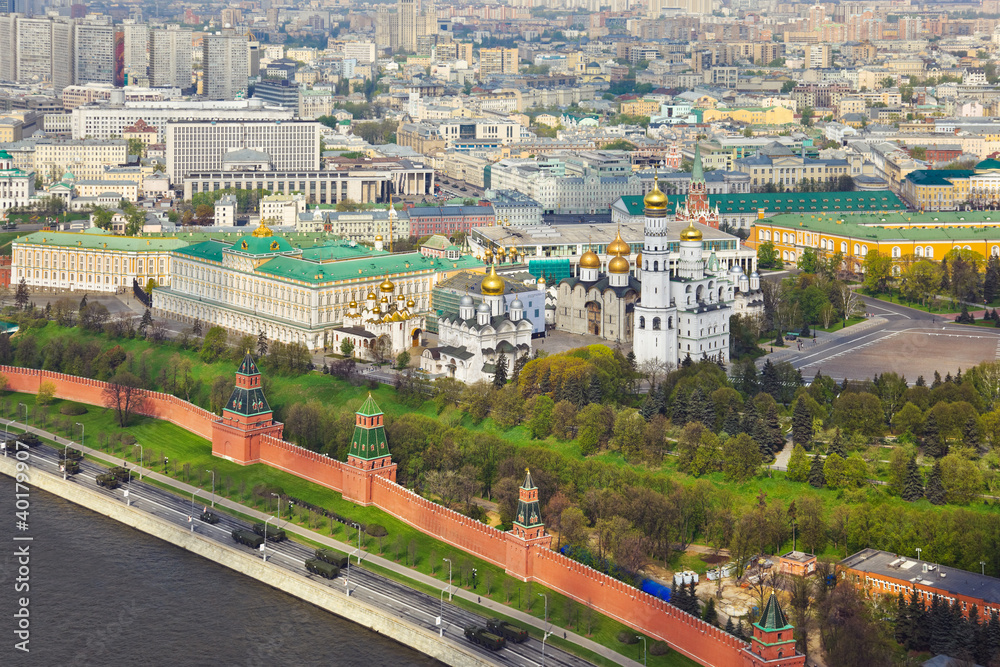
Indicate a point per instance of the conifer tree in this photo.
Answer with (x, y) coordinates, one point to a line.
(802, 428)
(500, 376)
(837, 445)
(686, 363)
(919, 630)
(741, 631)
(679, 411)
(817, 478)
(920, 381)
(649, 407)
(769, 380)
(594, 394)
(731, 424)
(748, 424)
(970, 434)
(798, 465)
(774, 434)
(937, 380)
(991, 281)
(935, 487)
(913, 484)
(695, 407)
(903, 626)
(709, 615)
(730, 628)
(932, 435)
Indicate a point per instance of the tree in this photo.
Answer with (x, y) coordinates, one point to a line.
(540, 423)
(347, 347)
(935, 486)
(145, 322)
(913, 486)
(402, 360)
(204, 213)
(961, 478)
(500, 376)
(767, 256)
(991, 281)
(215, 345)
(802, 424)
(741, 458)
(817, 478)
(21, 296)
(798, 465)
(807, 116)
(262, 345)
(629, 429)
(46, 392)
(835, 471)
(125, 395)
(878, 271)
(102, 218)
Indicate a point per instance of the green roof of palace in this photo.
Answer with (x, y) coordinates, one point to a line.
(787, 202)
(988, 164)
(338, 251)
(369, 408)
(101, 241)
(294, 268)
(941, 177)
(772, 618)
(871, 226)
(260, 245)
(207, 250)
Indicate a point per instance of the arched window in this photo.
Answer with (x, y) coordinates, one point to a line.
(762, 237)
(918, 251)
(656, 323)
(864, 250)
(656, 266)
(896, 253)
(995, 251)
(857, 249)
(670, 323)
(791, 257)
(642, 322)
(929, 251)
(843, 247)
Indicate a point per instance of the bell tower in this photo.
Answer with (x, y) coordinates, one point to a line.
(245, 418)
(527, 532)
(369, 454)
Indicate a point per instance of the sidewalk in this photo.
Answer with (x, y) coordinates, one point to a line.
(822, 338)
(388, 564)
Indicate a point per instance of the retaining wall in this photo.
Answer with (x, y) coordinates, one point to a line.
(421, 639)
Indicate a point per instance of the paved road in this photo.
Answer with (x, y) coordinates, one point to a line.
(897, 338)
(413, 606)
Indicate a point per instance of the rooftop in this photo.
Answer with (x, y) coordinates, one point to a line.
(941, 577)
(938, 226)
(788, 202)
(102, 241)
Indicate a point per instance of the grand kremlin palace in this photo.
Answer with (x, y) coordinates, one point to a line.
(260, 282)
(897, 235)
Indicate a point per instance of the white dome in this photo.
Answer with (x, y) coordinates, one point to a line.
(736, 270)
(516, 304)
(755, 275)
(484, 308)
(465, 301)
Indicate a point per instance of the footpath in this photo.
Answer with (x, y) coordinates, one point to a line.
(812, 344)
(396, 568)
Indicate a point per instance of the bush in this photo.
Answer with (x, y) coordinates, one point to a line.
(72, 409)
(628, 637)
(659, 648)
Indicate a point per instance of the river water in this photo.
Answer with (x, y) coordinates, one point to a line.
(105, 594)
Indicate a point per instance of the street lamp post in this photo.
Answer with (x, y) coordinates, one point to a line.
(83, 432)
(359, 544)
(982, 564)
(191, 518)
(440, 618)
(918, 552)
(545, 630)
(128, 491)
(643, 648)
(140, 459)
(473, 578)
(449, 577)
(22, 405)
(213, 487)
(273, 494)
(263, 547)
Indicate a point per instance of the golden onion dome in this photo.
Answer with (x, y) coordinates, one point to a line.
(385, 299)
(689, 233)
(378, 237)
(619, 247)
(619, 265)
(371, 296)
(387, 286)
(411, 303)
(541, 280)
(353, 304)
(638, 260)
(489, 253)
(400, 297)
(590, 260)
(655, 200)
(492, 285)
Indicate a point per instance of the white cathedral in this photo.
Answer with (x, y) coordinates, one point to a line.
(684, 308)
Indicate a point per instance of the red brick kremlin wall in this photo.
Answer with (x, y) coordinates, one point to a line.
(644, 613)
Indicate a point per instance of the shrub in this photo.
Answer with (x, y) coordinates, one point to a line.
(659, 648)
(72, 409)
(628, 637)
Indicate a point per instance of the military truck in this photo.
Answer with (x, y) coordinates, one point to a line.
(332, 557)
(68, 454)
(506, 630)
(108, 481)
(274, 534)
(322, 568)
(209, 517)
(245, 537)
(121, 473)
(480, 636)
(72, 467)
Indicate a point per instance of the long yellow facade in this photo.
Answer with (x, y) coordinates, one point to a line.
(751, 115)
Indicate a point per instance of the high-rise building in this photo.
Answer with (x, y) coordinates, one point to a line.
(93, 53)
(225, 66)
(818, 56)
(34, 50)
(136, 54)
(407, 10)
(386, 28)
(63, 54)
(8, 54)
(170, 57)
(497, 62)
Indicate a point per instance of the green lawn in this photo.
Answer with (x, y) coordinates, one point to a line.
(837, 326)
(162, 439)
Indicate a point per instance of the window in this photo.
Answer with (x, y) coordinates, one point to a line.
(656, 323)
(642, 322)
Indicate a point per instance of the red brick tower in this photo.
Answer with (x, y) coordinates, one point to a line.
(528, 531)
(773, 643)
(246, 418)
(369, 455)
(696, 208)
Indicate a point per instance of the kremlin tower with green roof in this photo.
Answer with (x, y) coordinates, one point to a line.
(245, 418)
(773, 640)
(527, 532)
(368, 456)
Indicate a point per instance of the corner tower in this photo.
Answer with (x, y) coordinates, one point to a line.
(773, 641)
(527, 531)
(245, 418)
(369, 455)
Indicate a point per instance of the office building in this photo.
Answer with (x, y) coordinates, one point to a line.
(170, 58)
(93, 53)
(407, 12)
(225, 67)
(278, 92)
(818, 56)
(497, 62)
(196, 147)
(136, 51)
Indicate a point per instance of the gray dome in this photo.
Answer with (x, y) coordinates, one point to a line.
(465, 301)
(484, 308)
(735, 270)
(516, 304)
(755, 275)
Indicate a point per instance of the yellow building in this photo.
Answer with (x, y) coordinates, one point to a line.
(950, 189)
(901, 236)
(751, 115)
(640, 108)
